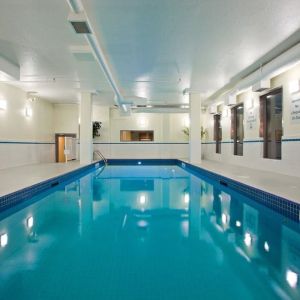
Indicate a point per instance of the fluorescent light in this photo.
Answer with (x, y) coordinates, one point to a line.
(3, 240)
(248, 239)
(3, 105)
(29, 222)
(294, 86)
(28, 112)
(291, 278)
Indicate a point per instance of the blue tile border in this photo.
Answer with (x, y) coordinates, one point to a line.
(251, 141)
(27, 143)
(279, 204)
(144, 162)
(10, 200)
(139, 143)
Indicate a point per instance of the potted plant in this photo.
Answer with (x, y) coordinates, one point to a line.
(96, 128)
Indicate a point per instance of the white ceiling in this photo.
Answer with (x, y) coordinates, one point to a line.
(155, 48)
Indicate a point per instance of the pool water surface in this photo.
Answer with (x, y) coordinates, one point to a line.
(147, 232)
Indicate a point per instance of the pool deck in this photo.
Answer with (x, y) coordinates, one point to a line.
(275, 183)
(14, 179)
(17, 178)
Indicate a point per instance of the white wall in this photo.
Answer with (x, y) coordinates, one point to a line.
(24, 140)
(66, 118)
(253, 147)
(169, 139)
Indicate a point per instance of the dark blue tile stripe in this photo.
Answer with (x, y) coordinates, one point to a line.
(27, 143)
(145, 162)
(20, 196)
(279, 204)
(251, 141)
(139, 143)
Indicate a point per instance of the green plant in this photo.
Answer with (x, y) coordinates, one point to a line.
(96, 128)
(186, 131)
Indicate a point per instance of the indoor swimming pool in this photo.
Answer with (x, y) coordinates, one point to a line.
(147, 232)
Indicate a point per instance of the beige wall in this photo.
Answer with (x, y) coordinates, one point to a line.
(167, 127)
(253, 151)
(15, 126)
(290, 130)
(66, 117)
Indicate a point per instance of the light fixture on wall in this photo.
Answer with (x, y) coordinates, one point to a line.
(294, 86)
(28, 112)
(3, 104)
(32, 96)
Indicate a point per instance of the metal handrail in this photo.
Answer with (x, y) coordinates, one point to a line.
(97, 152)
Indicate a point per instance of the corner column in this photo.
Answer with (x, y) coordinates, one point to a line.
(195, 129)
(86, 133)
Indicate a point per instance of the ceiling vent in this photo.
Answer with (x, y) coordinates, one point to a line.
(79, 23)
(213, 109)
(230, 100)
(261, 86)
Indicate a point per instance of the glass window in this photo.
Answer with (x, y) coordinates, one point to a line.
(271, 123)
(237, 128)
(217, 132)
(136, 136)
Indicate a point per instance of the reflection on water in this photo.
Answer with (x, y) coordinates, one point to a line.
(147, 233)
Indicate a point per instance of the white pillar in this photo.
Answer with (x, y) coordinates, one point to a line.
(195, 129)
(86, 130)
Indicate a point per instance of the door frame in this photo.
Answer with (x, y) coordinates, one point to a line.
(57, 135)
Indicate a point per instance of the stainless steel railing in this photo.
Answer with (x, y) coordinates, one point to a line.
(99, 154)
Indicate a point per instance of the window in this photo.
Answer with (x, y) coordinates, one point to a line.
(217, 132)
(271, 123)
(237, 128)
(136, 136)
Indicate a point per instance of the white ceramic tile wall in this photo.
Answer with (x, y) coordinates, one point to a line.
(12, 155)
(253, 157)
(143, 150)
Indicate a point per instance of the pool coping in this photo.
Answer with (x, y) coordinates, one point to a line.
(282, 205)
(277, 203)
(12, 199)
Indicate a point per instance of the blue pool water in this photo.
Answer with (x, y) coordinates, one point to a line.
(147, 232)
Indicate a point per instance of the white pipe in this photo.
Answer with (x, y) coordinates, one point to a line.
(77, 7)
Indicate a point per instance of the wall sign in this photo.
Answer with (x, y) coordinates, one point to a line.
(295, 108)
(251, 119)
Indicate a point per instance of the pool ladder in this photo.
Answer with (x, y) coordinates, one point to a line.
(99, 154)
